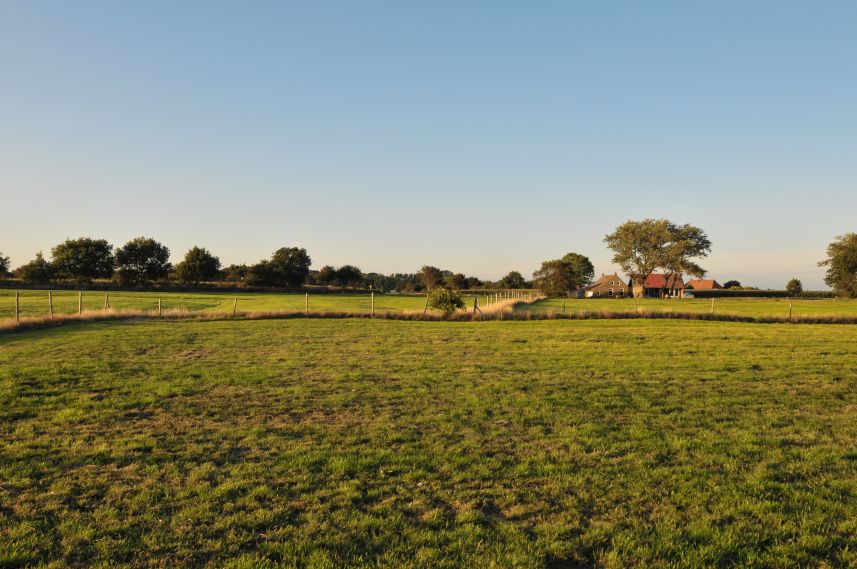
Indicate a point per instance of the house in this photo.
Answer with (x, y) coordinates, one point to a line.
(703, 284)
(700, 284)
(663, 286)
(608, 286)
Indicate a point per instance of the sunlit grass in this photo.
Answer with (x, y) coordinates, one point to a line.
(316, 443)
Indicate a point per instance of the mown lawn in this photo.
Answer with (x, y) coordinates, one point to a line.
(758, 307)
(334, 443)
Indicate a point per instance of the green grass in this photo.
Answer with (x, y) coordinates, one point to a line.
(758, 307)
(35, 302)
(347, 443)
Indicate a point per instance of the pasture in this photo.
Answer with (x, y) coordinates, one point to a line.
(380, 443)
(35, 302)
(755, 307)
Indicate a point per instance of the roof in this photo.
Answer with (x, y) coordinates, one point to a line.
(604, 279)
(657, 280)
(703, 284)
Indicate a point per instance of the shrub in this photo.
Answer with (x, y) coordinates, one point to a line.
(445, 300)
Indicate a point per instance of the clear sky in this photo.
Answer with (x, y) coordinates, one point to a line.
(481, 137)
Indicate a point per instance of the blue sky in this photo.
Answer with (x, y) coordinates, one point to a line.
(481, 137)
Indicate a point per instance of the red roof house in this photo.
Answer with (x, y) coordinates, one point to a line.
(703, 284)
(662, 286)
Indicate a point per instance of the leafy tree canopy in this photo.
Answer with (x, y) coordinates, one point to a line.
(142, 260)
(445, 300)
(841, 263)
(199, 265)
(83, 259)
(642, 247)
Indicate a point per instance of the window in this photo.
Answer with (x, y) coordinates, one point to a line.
(610, 293)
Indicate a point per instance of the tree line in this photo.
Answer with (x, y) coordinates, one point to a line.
(639, 248)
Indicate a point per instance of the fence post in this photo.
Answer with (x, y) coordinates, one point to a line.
(563, 306)
(80, 302)
(712, 306)
(50, 304)
(160, 308)
(790, 312)
(425, 308)
(373, 302)
(306, 304)
(17, 308)
(635, 306)
(106, 301)
(234, 305)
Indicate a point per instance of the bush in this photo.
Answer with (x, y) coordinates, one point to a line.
(445, 300)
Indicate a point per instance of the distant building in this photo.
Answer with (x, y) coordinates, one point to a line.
(608, 286)
(663, 286)
(703, 284)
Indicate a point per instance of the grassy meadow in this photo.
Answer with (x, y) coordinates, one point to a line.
(380, 443)
(756, 307)
(35, 302)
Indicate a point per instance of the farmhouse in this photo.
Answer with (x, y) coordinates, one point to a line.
(703, 284)
(610, 286)
(663, 286)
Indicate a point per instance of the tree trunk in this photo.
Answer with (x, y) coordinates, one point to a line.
(639, 288)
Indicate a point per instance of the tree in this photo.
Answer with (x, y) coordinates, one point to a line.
(841, 263)
(430, 277)
(513, 280)
(732, 284)
(642, 247)
(794, 287)
(235, 273)
(142, 260)
(37, 271)
(456, 281)
(261, 274)
(349, 275)
(290, 266)
(326, 276)
(83, 259)
(199, 265)
(562, 276)
(4, 265)
(473, 283)
(445, 300)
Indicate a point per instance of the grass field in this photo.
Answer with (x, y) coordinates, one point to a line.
(35, 302)
(348, 443)
(757, 307)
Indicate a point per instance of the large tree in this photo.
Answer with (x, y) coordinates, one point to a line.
(4, 265)
(560, 277)
(199, 265)
(290, 266)
(841, 263)
(349, 275)
(431, 277)
(142, 260)
(642, 247)
(83, 259)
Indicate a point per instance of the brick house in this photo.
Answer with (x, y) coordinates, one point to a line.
(608, 286)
